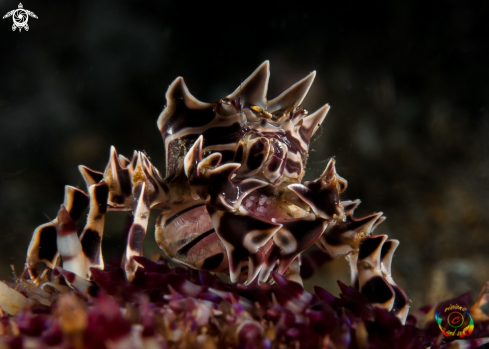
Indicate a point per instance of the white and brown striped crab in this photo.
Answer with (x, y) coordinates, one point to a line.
(232, 200)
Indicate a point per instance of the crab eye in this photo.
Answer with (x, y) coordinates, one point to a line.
(256, 109)
(226, 107)
(261, 112)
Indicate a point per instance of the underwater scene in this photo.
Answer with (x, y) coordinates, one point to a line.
(178, 175)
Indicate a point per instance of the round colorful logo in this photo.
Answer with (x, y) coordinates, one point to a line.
(455, 321)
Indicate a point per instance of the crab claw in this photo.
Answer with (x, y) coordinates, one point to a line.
(214, 183)
(277, 159)
(243, 237)
(257, 151)
(226, 193)
(295, 236)
(371, 281)
(342, 237)
(323, 194)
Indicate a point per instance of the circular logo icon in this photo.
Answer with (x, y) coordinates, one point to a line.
(455, 321)
(20, 17)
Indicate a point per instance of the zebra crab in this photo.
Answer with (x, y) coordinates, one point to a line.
(232, 200)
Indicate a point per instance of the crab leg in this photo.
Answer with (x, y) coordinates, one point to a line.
(138, 230)
(295, 236)
(91, 237)
(371, 282)
(271, 261)
(148, 190)
(377, 284)
(126, 185)
(42, 247)
(68, 244)
(90, 176)
(401, 301)
(243, 237)
(343, 237)
(322, 195)
(102, 196)
(79, 254)
(73, 280)
(352, 259)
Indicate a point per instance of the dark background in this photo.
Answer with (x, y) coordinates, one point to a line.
(409, 125)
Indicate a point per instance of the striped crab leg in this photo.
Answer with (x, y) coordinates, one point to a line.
(80, 253)
(138, 230)
(401, 300)
(129, 187)
(139, 226)
(77, 254)
(110, 192)
(243, 237)
(294, 237)
(91, 237)
(113, 190)
(149, 190)
(69, 245)
(371, 275)
(371, 281)
(43, 245)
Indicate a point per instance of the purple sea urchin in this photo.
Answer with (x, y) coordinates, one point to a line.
(165, 307)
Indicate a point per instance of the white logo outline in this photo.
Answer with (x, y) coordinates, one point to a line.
(20, 17)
